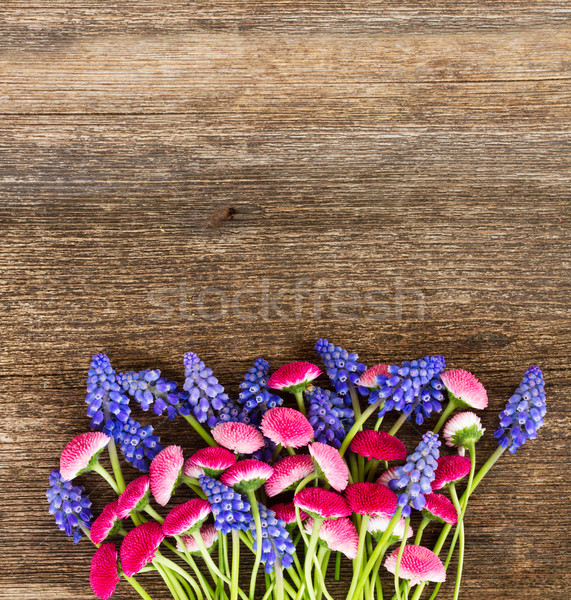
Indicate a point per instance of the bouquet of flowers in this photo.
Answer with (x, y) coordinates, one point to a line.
(294, 488)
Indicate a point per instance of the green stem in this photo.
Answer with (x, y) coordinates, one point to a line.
(116, 465)
(137, 586)
(420, 530)
(399, 557)
(450, 408)
(153, 513)
(207, 558)
(279, 580)
(373, 466)
(378, 424)
(359, 422)
(358, 562)
(313, 538)
(235, 565)
(460, 562)
(337, 566)
(399, 423)
(256, 514)
(188, 557)
(101, 471)
(300, 403)
(200, 430)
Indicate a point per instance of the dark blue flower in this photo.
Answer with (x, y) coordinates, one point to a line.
(137, 443)
(276, 541)
(69, 504)
(328, 415)
(254, 392)
(414, 386)
(230, 509)
(342, 367)
(524, 412)
(413, 479)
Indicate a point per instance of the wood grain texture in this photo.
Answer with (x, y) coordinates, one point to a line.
(391, 175)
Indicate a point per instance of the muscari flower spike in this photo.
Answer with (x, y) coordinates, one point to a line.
(322, 504)
(379, 524)
(81, 453)
(186, 517)
(294, 377)
(276, 541)
(135, 497)
(212, 461)
(247, 475)
(439, 508)
(330, 465)
(338, 535)
(465, 389)
(140, 546)
(106, 524)
(371, 499)
(413, 480)
(343, 368)
(524, 412)
(230, 509)
(378, 445)
(413, 387)
(287, 427)
(450, 469)
(69, 504)
(238, 437)
(166, 473)
(103, 575)
(463, 429)
(288, 472)
(418, 564)
(137, 443)
(255, 394)
(328, 415)
(209, 536)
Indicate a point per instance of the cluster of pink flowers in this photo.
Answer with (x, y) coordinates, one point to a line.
(270, 488)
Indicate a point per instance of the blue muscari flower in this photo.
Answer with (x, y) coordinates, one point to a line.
(276, 541)
(150, 389)
(328, 415)
(413, 479)
(69, 504)
(414, 386)
(206, 396)
(105, 398)
(232, 411)
(342, 367)
(524, 412)
(254, 392)
(137, 443)
(230, 509)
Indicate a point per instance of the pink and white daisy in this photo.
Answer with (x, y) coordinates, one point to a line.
(166, 473)
(208, 533)
(449, 470)
(371, 499)
(247, 475)
(418, 564)
(211, 461)
(135, 497)
(369, 378)
(107, 523)
(186, 517)
(379, 524)
(80, 453)
(330, 465)
(287, 427)
(378, 445)
(288, 472)
(286, 512)
(104, 576)
(466, 390)
(463, 429)
(388, 476)
(439, 508)
(294, 377)
(139, 547)
(339, 535)
(322, 504)
(238, 437)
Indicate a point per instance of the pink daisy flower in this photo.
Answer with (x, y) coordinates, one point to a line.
(287, 427)
(211, 461)
(378, 445)
(330, 465)
(103, 576)
(322, 504)
(286, 512)
(439, 508)
(165, 473)
(369, 378)
(418, 564)
(139, 547)
(186, 517)
(135, 497)
(388, 476)
(238, 437)
(107, 523)
(463, 429)
(371, 499)
(466, 390)
(338, 535)
(247, 475)
(288, 472)
(449, 470)
(294, 376)
(208, 533)
(80, 453)
(379, 524)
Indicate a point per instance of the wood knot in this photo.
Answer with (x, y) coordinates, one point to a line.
(221, 215)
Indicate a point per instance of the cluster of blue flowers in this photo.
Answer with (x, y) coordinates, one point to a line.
(254, 392)
(413, 387)
(230, 509)
(328, 415)
(524, 412)
(342, 367)
(414, 478)
(137, 443)
(69, 504)
(276, 541)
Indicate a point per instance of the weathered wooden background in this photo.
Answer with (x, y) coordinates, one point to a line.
(241, 178)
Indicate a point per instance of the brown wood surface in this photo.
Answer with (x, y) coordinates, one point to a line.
(405, 165)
